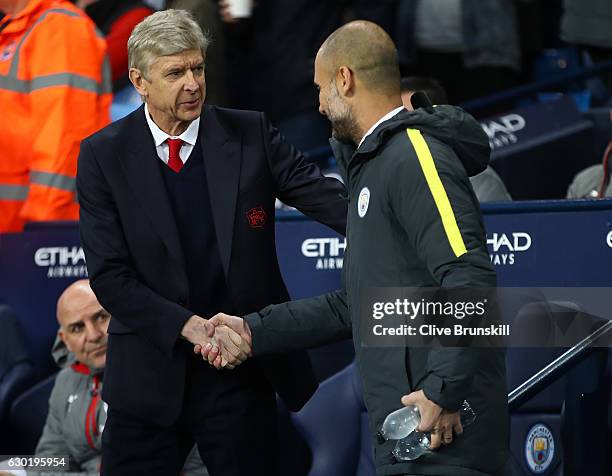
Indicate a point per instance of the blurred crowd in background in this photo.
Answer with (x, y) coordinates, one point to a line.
(56, 85)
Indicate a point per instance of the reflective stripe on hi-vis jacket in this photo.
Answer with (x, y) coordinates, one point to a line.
(55, 90)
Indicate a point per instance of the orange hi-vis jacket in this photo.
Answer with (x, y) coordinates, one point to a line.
(55, 90)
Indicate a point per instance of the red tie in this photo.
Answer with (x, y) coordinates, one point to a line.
(175, 162)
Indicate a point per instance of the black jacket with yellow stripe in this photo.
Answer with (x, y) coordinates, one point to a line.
(420, 226)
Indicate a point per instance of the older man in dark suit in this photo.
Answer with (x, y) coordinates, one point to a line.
(177, 223)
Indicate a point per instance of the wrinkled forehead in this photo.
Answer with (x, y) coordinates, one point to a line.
(79, 313)
(187, 58)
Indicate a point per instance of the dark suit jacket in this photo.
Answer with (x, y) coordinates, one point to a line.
(136, 265)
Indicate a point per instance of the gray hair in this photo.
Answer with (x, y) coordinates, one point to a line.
(164, 33)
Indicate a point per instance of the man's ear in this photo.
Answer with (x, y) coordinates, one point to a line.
(139, 81)
(62, 337)
(345, 80)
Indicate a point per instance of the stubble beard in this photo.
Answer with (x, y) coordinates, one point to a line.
(343, 123)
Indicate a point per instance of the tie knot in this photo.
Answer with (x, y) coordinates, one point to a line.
(174, 159)
(175, 146)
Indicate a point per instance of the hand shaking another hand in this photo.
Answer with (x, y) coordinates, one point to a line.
(229, 345)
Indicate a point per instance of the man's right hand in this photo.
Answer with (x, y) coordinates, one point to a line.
(201, 332)
(235, 326)
(198, 330)
(229, 347)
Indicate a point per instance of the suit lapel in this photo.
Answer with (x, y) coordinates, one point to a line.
(141, 165)
(222, 157)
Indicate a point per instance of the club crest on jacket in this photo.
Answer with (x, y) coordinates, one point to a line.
(363, 202)
(256, 217)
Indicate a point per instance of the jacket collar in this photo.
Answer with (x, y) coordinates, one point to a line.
(222, 150)
(345, 152)
(141, 167)
(83, 369)
(448, 124)
(386, 117)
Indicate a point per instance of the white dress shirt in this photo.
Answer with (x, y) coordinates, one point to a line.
(386, 117)
(188, 137)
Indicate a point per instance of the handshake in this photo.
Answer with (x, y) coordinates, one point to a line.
(224, 341)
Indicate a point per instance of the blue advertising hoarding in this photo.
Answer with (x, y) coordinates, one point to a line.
(558, 244)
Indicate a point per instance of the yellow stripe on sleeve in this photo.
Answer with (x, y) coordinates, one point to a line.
(437, 190)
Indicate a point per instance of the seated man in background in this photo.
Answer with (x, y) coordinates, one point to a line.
(488, 185)
(430, 86)
(596, 180)
(76, 413)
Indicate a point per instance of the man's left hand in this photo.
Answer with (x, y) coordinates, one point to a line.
(439, 422)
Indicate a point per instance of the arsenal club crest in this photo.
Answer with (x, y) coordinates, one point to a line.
(256, 217)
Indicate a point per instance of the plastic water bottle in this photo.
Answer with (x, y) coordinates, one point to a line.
(413, 446)
(417, 442)
(400, 423)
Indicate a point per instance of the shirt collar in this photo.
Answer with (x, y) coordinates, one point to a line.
(386, 117)
(190, 135)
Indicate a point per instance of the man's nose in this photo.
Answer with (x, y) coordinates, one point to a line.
(190, 82)
(94, 333)
(321, 109)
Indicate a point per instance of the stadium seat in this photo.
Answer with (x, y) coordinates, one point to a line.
(334, 424)
(16, 369)
(28, 415)
(571, 408)
(125, 101)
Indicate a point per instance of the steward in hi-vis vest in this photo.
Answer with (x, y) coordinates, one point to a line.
(55, 89)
